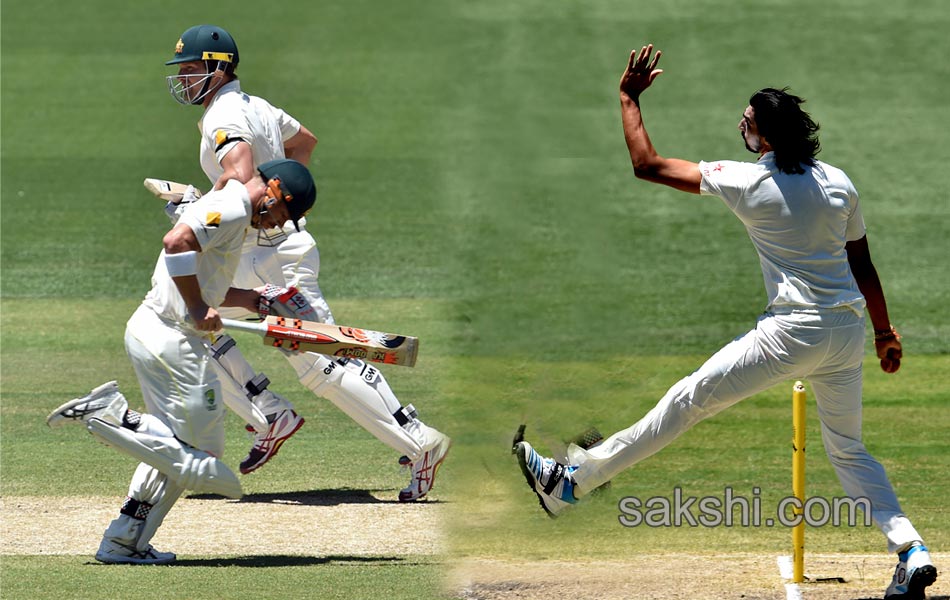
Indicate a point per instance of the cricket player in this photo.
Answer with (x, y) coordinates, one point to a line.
(805, 221)
(238, 132)
(180, 438)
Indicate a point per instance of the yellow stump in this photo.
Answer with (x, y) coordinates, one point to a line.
(798, 480)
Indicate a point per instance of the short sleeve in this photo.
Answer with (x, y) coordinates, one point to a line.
(217, 217)
(856, 228)
(223, 133)
(725, 179)
(289, 126)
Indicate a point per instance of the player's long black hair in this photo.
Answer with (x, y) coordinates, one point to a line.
(790, 131)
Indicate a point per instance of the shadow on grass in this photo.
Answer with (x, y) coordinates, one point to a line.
(313, 498)
(284, 561)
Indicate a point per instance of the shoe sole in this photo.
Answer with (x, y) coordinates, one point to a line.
(55, 419)
(519, 450)
(277, 446)
(923, 578)
(435, 471)
(51, 419)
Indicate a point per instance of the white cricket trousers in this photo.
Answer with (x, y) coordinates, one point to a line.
(179, 384)
(182, 392)
(824, 347)
(367, 399)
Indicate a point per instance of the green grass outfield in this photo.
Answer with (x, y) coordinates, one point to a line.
(475, 190)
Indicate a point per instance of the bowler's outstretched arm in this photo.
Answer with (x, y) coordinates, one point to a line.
(647, 163)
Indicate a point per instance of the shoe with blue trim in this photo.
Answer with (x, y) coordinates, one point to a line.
(913, 574)
(549, 479)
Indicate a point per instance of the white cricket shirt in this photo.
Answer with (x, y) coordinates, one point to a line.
(234, 116)
(799, 225)
(220, 221)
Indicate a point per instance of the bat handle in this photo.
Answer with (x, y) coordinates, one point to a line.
(260, 328)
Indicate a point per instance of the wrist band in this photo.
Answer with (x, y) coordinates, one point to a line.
(181, 264)
(886, 334)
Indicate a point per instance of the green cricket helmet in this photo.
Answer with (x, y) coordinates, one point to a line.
(207, 43)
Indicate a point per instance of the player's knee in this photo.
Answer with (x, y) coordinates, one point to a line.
(847, 451)
(319, 373)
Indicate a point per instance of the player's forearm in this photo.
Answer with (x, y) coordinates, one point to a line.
(221, 181)
(237, 164)
(870, 285)
(868, 282)
(242, 175)
(181, 261)
(300, 146)
(647, 164)
(238, 297)
(190, 291)
(642, 153)
(301, 156)
(203, 317)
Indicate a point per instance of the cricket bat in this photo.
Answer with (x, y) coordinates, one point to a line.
(169, 191)
(334, 340)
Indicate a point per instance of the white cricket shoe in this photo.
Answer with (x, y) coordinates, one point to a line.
(105, 402)
(114, 553)
(425, 468)
(280, 427)
(914, 572)
(549, 479)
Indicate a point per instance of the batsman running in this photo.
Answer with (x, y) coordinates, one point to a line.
(179, 439)
(805, 222)
(238, 133)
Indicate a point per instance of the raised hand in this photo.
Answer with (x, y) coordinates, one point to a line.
(640, 71)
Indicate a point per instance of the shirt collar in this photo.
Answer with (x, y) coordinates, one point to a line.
(231, 86)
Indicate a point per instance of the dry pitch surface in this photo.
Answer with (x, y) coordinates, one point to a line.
(354, 523)
(349, 523)
(746, 576)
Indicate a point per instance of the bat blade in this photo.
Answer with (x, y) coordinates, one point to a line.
(170, 191)
(333, 340)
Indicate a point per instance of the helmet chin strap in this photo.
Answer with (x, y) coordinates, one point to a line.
(200, 97)
(213, 75)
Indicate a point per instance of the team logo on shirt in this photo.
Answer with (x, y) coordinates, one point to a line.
(220, 137)
(212, 219)
(210, 399)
